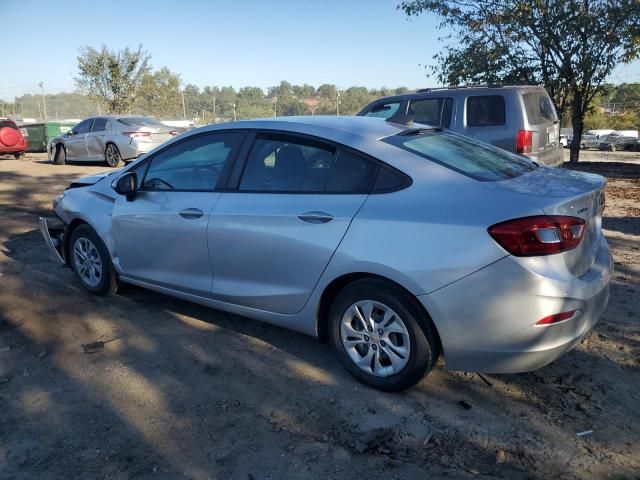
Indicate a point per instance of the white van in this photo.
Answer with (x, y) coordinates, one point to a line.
(600, 134)
(624, 133)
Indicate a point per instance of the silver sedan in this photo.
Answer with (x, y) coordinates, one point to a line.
(111, 139)
(397, 243)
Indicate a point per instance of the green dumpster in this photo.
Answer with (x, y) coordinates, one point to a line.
(40, 134)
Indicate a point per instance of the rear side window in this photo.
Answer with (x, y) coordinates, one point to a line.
(99, 125)
(383, 110)
(432, 111)
(474, 159)
(279, 163)
(351, 174)
(485, 111)
(539, 108)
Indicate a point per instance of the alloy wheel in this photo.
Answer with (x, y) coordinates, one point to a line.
(113, 156)
(375, 338)
(87, 261)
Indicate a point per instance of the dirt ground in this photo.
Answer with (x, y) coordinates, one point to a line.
(182, 391)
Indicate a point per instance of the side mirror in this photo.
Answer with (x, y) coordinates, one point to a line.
(70, 133)
(127, 185)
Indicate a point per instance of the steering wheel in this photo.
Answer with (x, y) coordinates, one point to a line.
(203, 173)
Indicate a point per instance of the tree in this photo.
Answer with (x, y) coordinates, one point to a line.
(159, 94)
(114, 78)
(569, 46)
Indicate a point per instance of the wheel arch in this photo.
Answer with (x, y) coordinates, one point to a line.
(333, 288)
(75, 223)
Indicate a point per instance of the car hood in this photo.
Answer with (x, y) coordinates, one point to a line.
(91, 179)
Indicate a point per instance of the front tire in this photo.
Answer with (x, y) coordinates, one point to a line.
(60, 155)
(382, 335)
(112, 155)
(91, 261)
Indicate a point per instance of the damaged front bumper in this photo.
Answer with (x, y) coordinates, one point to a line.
(54, 238)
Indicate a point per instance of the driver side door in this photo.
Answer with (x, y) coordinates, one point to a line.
(76, 142)
(161, 236)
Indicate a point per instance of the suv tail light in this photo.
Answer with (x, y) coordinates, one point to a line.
(524, 141)
(137, 134)
(539, 235)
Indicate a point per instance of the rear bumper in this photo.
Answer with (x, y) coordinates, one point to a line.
(487, 321)
(54, 239)
(552, 158)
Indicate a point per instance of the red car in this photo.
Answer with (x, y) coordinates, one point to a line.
(11, 139)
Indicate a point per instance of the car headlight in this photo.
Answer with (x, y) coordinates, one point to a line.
(57, 200)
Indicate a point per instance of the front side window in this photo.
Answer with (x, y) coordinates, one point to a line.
(475, 159)
(485, 111)
(286, 164)
(83, 127)
(194, 164)
(432, 111)
(383, 110)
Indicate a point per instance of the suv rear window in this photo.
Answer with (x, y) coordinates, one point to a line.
(474, 159)
(8, 124)
(485, 111)
(138, 121)
(539, 108)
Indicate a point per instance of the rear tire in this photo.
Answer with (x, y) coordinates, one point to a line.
(18, 156)
(91, 261)
(60, 155)
(400, 343)
(112, 155)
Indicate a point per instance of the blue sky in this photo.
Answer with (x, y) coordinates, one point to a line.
(347, 42)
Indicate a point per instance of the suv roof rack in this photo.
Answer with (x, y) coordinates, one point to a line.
(459, 87)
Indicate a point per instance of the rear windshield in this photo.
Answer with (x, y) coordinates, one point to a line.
(138, 121)
(539, 108)
(8, 124)
(474, 159)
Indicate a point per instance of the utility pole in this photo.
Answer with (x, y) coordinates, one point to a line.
(275, 106)
(44, 103)
(184, 108)
(337, 103)
(22, 109)
(234, 111)
(214, 109)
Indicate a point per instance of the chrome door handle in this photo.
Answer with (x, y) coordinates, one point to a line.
(191, 213)
(315, 217)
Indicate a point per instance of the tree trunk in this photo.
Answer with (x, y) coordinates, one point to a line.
(577, 122)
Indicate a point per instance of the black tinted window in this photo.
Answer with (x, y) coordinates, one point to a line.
(474, 159)
(485, 111)
(8, 124)
(283, 164)
(84, 126)
(431, 111)
(195, 164)
(99, 125)
(388, 180)
(351, 174)
(383, 110)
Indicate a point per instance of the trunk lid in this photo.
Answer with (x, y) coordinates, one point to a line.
(557, 191)
(157, 134)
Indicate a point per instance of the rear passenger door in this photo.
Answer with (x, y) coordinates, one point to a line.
(273, 234)
(96, 140)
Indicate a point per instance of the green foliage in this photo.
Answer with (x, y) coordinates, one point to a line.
(569, 46)
(113, 78)
(160, 94)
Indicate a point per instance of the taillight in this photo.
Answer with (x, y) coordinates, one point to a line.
(558, 317)
(539, 235)
(137, 134)
(173, 132)
(524, 141)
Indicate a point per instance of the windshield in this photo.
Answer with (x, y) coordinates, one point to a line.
(138, 121)
(477, 160)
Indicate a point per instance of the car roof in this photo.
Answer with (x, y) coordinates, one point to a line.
(457, 92)
(323, 125)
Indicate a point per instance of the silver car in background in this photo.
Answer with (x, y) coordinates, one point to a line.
(516, 118)
(110, 138)
(395, 242)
